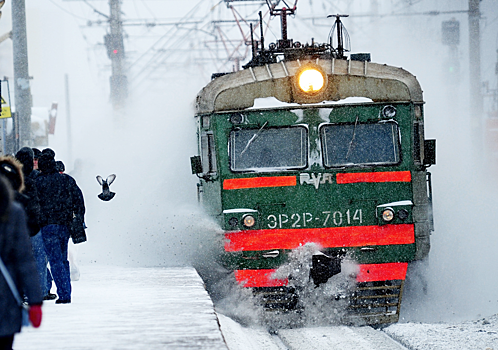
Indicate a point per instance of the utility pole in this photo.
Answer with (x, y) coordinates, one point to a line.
(68, 121)
(476, 103)
(114, 45)
(22, 90)
(115, 50)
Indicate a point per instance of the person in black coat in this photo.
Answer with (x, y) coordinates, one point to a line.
(25, 190)
(15, 252)
(62, 206)
(26, 156)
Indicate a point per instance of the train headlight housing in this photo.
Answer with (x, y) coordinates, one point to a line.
(389, 111)
(233, 222)
(403, 214)
(388, 215)
(248, 221)
(311, 80)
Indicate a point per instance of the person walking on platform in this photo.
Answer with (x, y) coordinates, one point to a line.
(25, 156)
(61, 201)
(20, 274)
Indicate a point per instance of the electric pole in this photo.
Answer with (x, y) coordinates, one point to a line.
(476, 103)
(22, 90)
(115, 50)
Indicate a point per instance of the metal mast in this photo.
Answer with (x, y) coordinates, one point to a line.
(476, 103)
(22, 90)
(115, 50)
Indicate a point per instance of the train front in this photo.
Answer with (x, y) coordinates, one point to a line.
(339, 166)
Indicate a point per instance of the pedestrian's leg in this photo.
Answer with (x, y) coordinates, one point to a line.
(73, 267)
(49, 280)
(56, 238)
(41, 260)
(6, 342)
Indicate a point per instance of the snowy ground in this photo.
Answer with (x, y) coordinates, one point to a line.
(128, 308)
(470, 335)
(168, 308)
(473, 335)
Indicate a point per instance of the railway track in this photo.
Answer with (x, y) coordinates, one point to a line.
(238, 337)
(339, 337)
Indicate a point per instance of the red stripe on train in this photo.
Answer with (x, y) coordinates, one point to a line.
(255, 182)
(383, 176)
(329, 237)
(366, 273)
(382, 272)
(259, 278)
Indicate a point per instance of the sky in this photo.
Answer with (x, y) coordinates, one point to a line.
(154, 218)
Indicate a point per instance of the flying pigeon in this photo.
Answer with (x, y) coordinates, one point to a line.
(106, 194)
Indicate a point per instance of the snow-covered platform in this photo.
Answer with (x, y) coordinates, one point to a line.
(129, 308)
(168, 308)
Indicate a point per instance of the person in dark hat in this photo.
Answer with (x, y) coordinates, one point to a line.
(24, 186)
(15, 253)
(11, 168)
(25, 156)
(61, 200)
(59, 165)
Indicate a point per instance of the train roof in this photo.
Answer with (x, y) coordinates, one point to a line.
(344, 78)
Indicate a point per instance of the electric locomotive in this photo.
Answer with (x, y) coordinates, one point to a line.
(350, 177)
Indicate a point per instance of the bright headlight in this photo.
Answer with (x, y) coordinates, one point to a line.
(248, 221)
(388, 215)
(311, 80)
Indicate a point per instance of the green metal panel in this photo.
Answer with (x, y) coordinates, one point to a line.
(317, 200)
(381, 254)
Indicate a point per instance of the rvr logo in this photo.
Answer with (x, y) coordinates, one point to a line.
(315, 179)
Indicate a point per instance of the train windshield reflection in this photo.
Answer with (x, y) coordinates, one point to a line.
(268, 148)
(360, 144)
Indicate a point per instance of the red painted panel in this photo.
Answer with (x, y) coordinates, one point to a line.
(258, 278)
(328, 237)
(367, 273)
(382, 272)
(254, 182)
(384, 176)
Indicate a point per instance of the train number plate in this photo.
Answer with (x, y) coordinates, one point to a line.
(323, 219)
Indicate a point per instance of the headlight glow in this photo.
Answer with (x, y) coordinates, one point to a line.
(248, 221)
(388, 215)
(311, 80)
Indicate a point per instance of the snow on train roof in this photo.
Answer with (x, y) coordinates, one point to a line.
(239, 90)
(272, 102)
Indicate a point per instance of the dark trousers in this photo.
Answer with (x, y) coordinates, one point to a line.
(41, 262)
(56, 239)
(6, 342)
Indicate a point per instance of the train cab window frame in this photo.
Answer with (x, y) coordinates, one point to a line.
(268, 149)
(208, 154)
(360, 144)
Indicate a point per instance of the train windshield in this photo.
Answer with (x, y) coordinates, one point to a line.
(268, 148)
(360, 144)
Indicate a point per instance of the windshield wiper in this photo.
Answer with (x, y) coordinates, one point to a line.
(352, 139)
(253, 138)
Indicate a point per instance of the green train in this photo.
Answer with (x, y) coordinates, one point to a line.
(347, 175)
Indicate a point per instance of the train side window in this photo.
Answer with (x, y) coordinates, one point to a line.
(418, 141)
(208, 154)
(360, 144)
